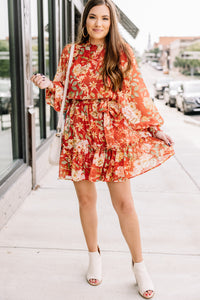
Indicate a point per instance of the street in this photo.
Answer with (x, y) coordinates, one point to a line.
(150, 75)
(178, 126)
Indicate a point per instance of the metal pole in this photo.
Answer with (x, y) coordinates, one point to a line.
(32, 143)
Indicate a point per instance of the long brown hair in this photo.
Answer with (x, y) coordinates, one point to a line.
(114, 45)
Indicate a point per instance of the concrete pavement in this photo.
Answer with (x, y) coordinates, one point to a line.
(43, 254)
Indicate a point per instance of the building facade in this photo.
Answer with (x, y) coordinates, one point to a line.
(32, 36)
(171, 47)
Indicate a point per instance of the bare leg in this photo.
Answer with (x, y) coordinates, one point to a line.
(122, 201)
(87, 196)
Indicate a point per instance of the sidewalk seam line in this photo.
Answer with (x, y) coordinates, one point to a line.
(188, 174)
(106, 251)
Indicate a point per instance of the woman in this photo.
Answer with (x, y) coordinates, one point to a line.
(111, 133)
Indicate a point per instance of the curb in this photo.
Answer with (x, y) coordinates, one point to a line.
(191, 121)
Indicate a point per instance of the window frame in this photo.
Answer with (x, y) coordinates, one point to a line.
(17, 89)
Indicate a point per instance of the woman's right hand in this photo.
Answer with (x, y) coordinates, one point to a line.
(41, 81)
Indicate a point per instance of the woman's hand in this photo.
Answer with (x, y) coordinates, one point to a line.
(41, 81)
(163, 136)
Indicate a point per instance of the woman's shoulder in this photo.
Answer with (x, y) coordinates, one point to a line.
(67, 48)
(77, 48)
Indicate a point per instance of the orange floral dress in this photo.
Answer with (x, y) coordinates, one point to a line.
(108, 136)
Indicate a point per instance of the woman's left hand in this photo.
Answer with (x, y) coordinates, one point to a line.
(165, 137)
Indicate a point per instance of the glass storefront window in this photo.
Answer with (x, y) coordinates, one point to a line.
(46, 58)
(35, 67)
(6, 155)
(40, 64)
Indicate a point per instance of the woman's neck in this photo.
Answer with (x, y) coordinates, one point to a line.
(96, 42)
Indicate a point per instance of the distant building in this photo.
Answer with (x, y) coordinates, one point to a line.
(171, 46)
(191, 55)
(149, 42)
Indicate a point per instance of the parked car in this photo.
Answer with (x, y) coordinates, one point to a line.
(36, 97)
(188, 97)
(5, 96)
(159, 67)
(153, 64)
(160, 85)
(171, 92)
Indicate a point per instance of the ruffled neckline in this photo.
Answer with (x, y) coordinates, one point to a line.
(95, 46)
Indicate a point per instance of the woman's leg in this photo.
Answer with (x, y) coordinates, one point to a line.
(87, 196)
(122, 201)
(123, 204)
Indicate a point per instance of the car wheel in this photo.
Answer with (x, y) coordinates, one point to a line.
(171, 104)
(184, 109)
(177, 107)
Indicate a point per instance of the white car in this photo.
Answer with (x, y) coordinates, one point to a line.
(5, 96)
(188, 97)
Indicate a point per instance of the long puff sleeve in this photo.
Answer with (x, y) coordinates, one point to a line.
(134, 100)
(54, 95)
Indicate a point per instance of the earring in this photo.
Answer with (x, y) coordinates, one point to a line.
(83, 33)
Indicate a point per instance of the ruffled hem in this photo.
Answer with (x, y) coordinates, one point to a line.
(110, 165)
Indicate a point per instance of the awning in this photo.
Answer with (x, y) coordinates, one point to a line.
(127, 23)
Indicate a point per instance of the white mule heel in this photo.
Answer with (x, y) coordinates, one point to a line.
(145, 284)
(94, 272)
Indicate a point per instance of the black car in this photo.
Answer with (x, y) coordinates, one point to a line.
(160, 85)
(171, 92)
(188, 97)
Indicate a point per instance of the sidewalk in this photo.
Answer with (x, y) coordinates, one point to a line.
(43, 254)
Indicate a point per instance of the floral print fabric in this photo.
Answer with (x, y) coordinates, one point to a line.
(108, 136)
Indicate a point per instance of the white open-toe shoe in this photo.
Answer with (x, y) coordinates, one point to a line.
(145, 284)
(94, 273)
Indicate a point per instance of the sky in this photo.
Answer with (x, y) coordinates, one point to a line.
(154, 17)
(161, 18)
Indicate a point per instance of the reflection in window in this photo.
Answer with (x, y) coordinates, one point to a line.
(6, 156)
(35, 67)
(46, 45)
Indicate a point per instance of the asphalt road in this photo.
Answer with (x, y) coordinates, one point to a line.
(150, 75)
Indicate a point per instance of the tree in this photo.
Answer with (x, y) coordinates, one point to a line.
(4, 63)
(155, 51)
(4, 45)
(194, 47)
(187, 66)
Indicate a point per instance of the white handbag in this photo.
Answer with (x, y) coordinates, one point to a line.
(55, 147)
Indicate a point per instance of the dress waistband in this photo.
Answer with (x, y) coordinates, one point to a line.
(111, 118)
(105, 105)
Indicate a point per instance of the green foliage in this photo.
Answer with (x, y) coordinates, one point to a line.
(4, 45)
(4, 68)
(35, 48)
(4, 63)
(187, 66)
(155, 51)
(194, 47)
